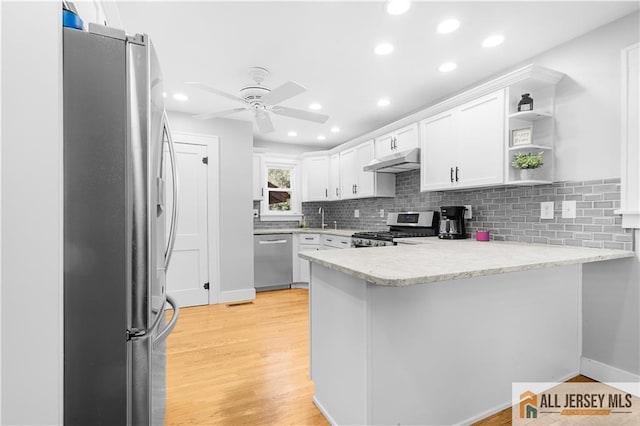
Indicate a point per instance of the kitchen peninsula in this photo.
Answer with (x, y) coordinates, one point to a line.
(435, 333)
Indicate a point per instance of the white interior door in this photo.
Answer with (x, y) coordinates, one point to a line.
(188, 271)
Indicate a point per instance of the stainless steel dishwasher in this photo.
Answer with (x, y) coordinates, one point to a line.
(273, 261)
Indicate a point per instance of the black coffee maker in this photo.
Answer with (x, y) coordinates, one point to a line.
(452, 222)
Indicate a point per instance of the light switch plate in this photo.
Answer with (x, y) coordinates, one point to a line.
(381, 212)
(468, 213)
(569, 209)
(546, 210)
(356, 213)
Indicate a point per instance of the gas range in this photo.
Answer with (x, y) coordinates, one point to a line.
(401, 225)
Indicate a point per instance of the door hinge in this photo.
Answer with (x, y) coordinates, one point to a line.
(206, 286)
(205, 160)
(135, 333)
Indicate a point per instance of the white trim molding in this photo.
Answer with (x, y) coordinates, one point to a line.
(612, 376)
(630, 137)
(232, 296)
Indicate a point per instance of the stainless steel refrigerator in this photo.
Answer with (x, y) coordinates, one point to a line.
(115, 249)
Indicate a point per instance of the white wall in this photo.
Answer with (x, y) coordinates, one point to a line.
(31, 213)
(588, 100)
(236, 199)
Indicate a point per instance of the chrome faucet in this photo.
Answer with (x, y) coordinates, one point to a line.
(321, 211)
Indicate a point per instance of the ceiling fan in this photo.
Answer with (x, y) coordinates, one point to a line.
(261, 100)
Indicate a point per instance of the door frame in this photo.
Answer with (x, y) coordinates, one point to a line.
(213, 205)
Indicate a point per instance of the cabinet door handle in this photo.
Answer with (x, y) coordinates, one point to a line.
(391, 144)
(326, 193)
(457, 170)
(355, 190)
(262, 192)
(451, 175)
(395, 143)
(336, 191)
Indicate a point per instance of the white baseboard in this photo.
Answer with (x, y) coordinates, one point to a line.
(237, 295)
(509, 403)
(300, 285)
(612, 376)
(323, 411)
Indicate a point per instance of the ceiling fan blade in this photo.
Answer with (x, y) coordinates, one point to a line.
(282, 93)
(263, 121)
(301, 114)
(208, 88)
(214, 114)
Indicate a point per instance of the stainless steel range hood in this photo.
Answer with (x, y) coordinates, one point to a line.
(396, 163)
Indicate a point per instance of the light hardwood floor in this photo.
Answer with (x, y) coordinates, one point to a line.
(244, 364)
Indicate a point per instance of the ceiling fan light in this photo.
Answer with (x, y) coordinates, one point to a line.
(397, 7)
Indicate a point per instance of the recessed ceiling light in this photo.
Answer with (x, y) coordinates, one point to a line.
(383, 49)
(493, 41)
(448, 26)
(447, 66)
(180, 97)
(321, 137)
(383, 102)
(292, 133)
(315, 106)
(335, 129)
(397, 7)
(164, 94)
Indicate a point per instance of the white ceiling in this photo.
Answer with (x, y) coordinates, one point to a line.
(328, 48)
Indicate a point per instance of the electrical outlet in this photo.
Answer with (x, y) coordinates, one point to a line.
(381, 212)
(468, 213)
(546, 210)
(256, 213)
(569, 209)
(356, 213)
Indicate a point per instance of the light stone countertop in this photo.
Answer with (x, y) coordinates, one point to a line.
(326, 231)
(439, 260)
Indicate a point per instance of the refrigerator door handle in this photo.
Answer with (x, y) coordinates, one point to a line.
(172, 323)
(174, 178)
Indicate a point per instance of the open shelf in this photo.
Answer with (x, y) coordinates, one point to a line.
(530, 115)
(530, 146)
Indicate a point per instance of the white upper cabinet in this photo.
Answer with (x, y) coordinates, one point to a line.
(334, 177)
(257, 178)
(399, 140)
(464, 147)
(315, 178)
(355, 182)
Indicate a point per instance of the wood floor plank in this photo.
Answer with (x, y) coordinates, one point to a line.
(242, 364)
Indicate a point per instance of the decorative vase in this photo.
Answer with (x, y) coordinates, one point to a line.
(530, 174)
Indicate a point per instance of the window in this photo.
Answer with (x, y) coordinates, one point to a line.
(279, 189)
(280, 183)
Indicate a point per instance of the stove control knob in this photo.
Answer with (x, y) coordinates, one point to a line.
(368, 243)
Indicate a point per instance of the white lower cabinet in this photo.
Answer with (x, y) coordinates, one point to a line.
(335, 242)
(303, 242)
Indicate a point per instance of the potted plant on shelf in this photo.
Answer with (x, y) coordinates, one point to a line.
(528, 163)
